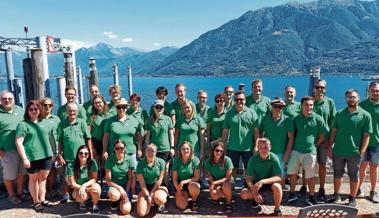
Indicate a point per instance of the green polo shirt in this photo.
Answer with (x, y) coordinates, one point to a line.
(187, 170)
(228, 107)
(326, 109)
(178, 108)
(277, 131)
(203, 112)
(189, 131)
(307, 131)
(8, 124)
(141, 115)
(292, 109)
(350, 129)
(241, 128)
(119, 169)
(373, 109)
(168, 110)
(159, 132)
(36, 139)
(62, 114)
(218, 171)
(112, 110)
(53, 122)
(259, 168)
(262, 106)
(125, 131)
(151, 174)
(72, 136)
(88, 107)
(97, 125)
(83, 172)
(216, 120)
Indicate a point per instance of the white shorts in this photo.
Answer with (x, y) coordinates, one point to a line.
(12, 165)
(307, 160)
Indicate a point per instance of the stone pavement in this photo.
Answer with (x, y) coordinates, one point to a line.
(206, 208)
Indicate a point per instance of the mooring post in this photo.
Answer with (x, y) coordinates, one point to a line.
(80, 85)
(130, 82)
(18, 92)
(61, 81)
(9, 68)
(27, 67)
(115, 74)
(314, 75)
(69, 69)
(93, 79)
(42, 44)
(38, 79)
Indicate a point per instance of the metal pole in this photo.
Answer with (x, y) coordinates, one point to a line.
(80, 85)
(38, 81)
(18, 92)
(61, 81)
(313, 77)
(93, 72)
(130, 82)
(9, 68)
(115, 74)
(69, 69)
(27, 67)
(42, 44)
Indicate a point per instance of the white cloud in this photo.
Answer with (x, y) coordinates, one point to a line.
(127, 39)
(107, 33)
(75, 44)
(157, 44)
(110, 34)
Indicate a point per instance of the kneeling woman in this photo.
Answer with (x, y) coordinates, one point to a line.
(118, 175)
(219, 170)
(82, 177)
(150, 174)
(186, 175)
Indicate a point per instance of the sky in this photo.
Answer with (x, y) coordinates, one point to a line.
(141, 24)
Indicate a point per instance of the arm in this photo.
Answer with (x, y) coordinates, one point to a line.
(147, 137)
(159, 181)
(130, 179)
(21, 151)
(60, 154)
(89, 143)
(320, 139)
(108, 180)
(208, 131)
(177, 186)
(142, 184)
(105, 145)
(289, 146)
(224, 136)
(171, 138)
(225, 179)
(365, 141)
(202, 142)
(332, 138)
(139, 141)
(176, 137)
(256, 136)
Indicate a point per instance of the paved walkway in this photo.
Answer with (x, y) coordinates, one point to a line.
(206, 208)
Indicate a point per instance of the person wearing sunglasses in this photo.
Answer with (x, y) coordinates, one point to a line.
(70, 95)
(160, 131)
(119, 170)
(161, 93)
(216, 117)
(219, 168)
(257, 101)
(326, 108)
(263, 175)
(33, 142)
(94, 91)
(228, 96)
(82, 176)
(278, 128)
(185, 176)
(12, 166)
(52, 121)
(150, 174)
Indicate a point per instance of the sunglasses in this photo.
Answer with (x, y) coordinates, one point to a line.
(119, 148)
(158, 107)
(9, 99)
(33, 109)
(218, 101)
(47, 105)
(278, 106)
(219, 150)
(239, 99)
(319, 87)
(121, 107)
(83, 153)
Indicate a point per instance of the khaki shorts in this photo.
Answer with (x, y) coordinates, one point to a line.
(12, 165)
(307, 160)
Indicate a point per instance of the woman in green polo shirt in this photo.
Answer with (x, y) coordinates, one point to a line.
(185, 176)
(191, 128)
(33, 144)
(96, 122)
(82, 176)
(118, 176)
(150, 174)
(216, 117)
(219, 169)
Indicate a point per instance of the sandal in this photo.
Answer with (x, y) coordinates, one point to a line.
(24, 197)
(38, 207)
(228, 208)
(14, 200)
(47, 203)
(195, 206)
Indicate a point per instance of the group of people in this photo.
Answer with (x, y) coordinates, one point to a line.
(187, 143)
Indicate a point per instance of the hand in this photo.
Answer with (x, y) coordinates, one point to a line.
(82, 191)
(149, 199)
(285, 157)
(2, 153)
(181, 185)
(105, 155)
(258, 198)
(124, 196)
(26, 163)
(139, 154)
(61, 160)
(330, 153)
(258, 185)
(211, 186)
(172, 152)
(361, 153)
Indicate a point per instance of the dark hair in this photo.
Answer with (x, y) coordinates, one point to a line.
(42, 101)
(238, 93)
(31, 103)
(222, 159)
(117, 142)
(77, 162)
(135, 95)
(105, 107)
(161, 89)
(373, 83)
(351, 91)
(219, 95)
(69, 88)
(307, 98)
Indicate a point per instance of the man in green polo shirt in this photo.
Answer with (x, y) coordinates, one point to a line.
(201, 106)
(350, 134)
(73, 132)
(325, 107)
(70, 94)
(229, 94)
(115, 94)
(256, 101)
(241, 125)
(263, 174)
(292, 107)
(13, 169)
(310, 130)
(371, 156)
(94, 91)
(180, 91)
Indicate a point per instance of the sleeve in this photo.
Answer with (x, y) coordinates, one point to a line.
(107, 126)
(108, 164)
(85, 130)
(148, 125)
(170, 125)
(21, 130)
(175, 165)
(139, 167)
(94, 167)
(173, 112)
(255, 119)
(83, 113)
(261, 125)
(290, 125)
(333, 112)
(70, 169)
(229, 164)
(202, 124)
(323, 129)
(170, 110)
(335, 121)
(276, 170)
(60, 132)
(132, 165)
(250, 167)
(196, 163)
(207, 166)
(178, 123)
(226, 124)
(162, 165)
(367, 125)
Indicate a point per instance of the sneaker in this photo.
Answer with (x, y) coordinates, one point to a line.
(321, 195)
(352, 202)
(204, 184)
(336, 198)
(303, 191)
(83, 206)
(95, 209)
(114, 205)
(65, 198)
(292, 198)
(278, 212)
(360, 193)
(161, 208)
(14, 200)
(310, 200)
(286, 187)
(374, 196)
(255, 205)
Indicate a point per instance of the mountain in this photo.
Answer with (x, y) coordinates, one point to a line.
(280, 40)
